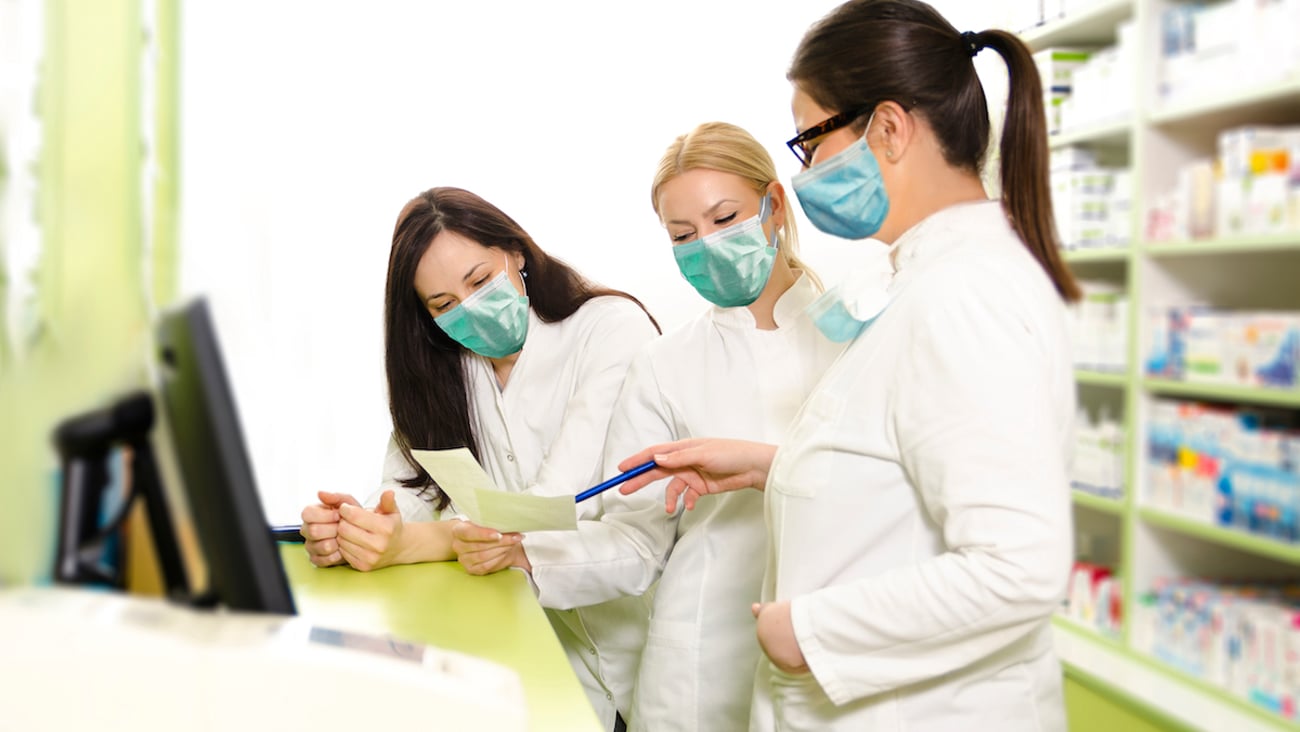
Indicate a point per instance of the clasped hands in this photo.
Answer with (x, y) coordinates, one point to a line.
(339, 530)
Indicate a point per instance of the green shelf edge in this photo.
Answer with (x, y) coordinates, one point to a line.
(1183, 111)
(1098, 503)
(1285, 242)
(1155, 664)
(1055, 31)
(1098, 254)
(1100, 378)
(1259, 545)
(1216, 392)
(1107, 132)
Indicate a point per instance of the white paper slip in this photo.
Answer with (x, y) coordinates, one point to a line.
(471, 490)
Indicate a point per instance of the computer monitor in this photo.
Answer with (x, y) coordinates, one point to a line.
(198, 409)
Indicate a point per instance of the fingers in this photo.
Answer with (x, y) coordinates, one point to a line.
(334, 500)
(688, 486)
(366, 529)
(318, 514)
(360, 557)
(687, 454)
(319, 531)
(468, 531)
(387, 503)
(323, 553)
(756, 608)
(364, 519)
(654, 451)
(488, 561)
(632, 485)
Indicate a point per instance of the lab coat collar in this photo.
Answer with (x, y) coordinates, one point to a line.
(789, 307)
(941, 232)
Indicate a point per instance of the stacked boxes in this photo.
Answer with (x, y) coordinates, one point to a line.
(1207, 48)
(1101, 327)
(1092, 204)
(1238, 469)
(1097, 464)
(1094, 598)
(1259, 189)
(1056, 67)
(1242, 637)
(1212, 346)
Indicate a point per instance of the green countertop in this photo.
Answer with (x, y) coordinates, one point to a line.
(494, 617)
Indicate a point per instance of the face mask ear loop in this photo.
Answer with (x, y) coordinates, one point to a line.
(523, 276)
(765, 213)
(867, 131)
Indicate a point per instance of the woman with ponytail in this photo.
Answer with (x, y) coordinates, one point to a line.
(918, 508)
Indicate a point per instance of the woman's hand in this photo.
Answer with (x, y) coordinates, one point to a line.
(371, 539)
(320, 528)
(701, 466)
(481, 550)
(776, 636)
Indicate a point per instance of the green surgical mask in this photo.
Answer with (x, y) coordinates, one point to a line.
(492, 322)
(729, 268)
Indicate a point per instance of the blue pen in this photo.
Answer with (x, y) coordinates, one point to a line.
(616, 480)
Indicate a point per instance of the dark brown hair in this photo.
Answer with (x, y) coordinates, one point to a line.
(869, 51)
(428, 393)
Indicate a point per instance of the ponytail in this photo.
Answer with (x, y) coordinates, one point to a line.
(1026, 192)
(866, 51)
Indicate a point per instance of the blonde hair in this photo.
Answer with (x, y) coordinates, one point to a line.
(729, 149)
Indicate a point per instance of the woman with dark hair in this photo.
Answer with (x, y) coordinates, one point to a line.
(918, 509)
(493, 345)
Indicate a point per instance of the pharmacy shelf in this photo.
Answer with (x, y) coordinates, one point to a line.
(1223, 536)
(1094, 26)
(1220, 393)
(1071, 625)
(1096, 254)
(1215, 691)
(1097, 503)
(1289, 241)
(1100, 378)
(1232, 273)
(1171, 698)
(1278, 101)
(1110, 133)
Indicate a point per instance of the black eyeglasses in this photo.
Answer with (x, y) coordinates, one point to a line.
(799, 143)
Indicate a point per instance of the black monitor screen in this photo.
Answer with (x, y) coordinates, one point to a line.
(244, 568)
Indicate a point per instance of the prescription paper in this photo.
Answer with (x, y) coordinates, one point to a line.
(472, 491)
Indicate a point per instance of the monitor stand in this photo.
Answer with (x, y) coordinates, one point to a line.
(85, 545)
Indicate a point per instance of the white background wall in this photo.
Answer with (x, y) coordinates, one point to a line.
(306, 126)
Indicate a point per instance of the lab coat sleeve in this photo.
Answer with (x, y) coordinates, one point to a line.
(412, 507)
(978, 426)
(623, 552)
(605, 349)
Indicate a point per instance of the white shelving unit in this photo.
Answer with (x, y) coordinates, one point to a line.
(1254, 272)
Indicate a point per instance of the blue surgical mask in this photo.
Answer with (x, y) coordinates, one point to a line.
(844, 311)
(492, 322)
(730, 268)
(845, 195)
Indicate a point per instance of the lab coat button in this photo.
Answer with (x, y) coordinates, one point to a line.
(510, 456)
(592, 651)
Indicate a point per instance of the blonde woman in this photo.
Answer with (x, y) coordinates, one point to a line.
(741, 368)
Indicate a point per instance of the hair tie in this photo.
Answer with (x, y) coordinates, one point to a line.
(971, 43)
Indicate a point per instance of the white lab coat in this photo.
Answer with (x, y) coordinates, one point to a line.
(919, 510)
(543, 434)
(717, 375)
